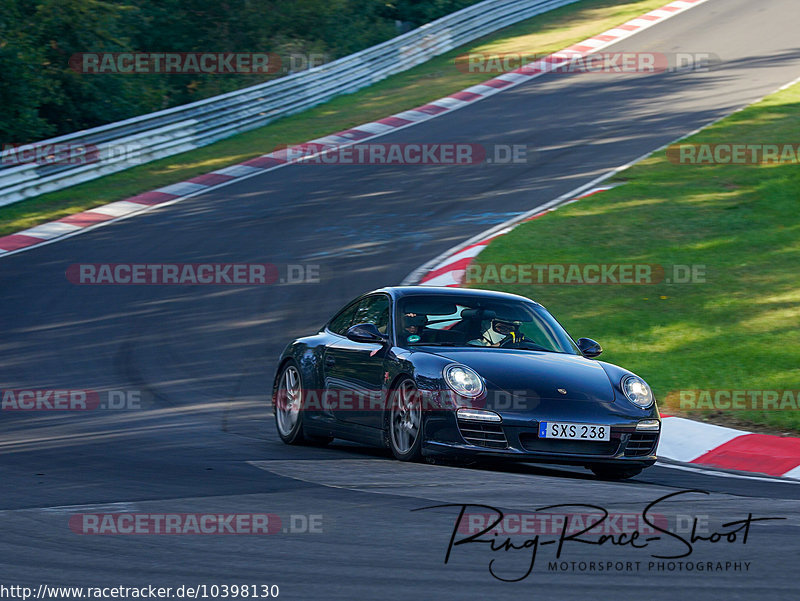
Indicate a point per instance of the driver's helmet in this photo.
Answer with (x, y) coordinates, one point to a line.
(505, 327)
(500, 329)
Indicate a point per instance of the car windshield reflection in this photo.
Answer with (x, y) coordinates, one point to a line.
(462, 321)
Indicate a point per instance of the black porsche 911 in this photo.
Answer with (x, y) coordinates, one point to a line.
(464, 373)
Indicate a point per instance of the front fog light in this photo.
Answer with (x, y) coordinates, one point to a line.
(478, 415)
(648, 424)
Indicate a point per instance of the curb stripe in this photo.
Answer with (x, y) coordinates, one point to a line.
(121, 207)
(354, 134)
(687, 440)
(771, 455)
(181, 189)
(85, 219)
(50, 230)
(394, 121)
(264, 162)
(153, 197)
(237, 171)
(16, 241)
(211, 179)
(431, 109)
(465, 96)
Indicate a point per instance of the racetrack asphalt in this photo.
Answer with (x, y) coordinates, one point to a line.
(203, 358)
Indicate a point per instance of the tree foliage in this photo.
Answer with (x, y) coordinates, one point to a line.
(41, 95)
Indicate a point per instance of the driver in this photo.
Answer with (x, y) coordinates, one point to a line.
(498, 332)
(414, 326)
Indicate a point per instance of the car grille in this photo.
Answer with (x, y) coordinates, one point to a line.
(531, 442)
(483, 434)
(641, 443)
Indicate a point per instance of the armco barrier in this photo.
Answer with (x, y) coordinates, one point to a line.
(172, 131)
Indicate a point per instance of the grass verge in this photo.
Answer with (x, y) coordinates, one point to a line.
(735, 331)
(434, 79)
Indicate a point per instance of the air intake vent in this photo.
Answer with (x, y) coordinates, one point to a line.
(641, 444)
(483, 434)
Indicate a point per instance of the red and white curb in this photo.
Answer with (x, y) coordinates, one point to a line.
(72, 225)
(450, 270)
(688, 441)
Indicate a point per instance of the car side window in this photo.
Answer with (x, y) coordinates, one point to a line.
(374, 309)
(344, 319)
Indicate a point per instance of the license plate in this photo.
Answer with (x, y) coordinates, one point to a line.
(566, 431)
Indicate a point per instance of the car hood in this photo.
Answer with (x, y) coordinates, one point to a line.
(537, 375)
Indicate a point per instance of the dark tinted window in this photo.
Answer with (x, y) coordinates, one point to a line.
(374, 309)
(480, 321)
(343, 320)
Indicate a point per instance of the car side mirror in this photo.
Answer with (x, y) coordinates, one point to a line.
(589, 347)
(365, 332)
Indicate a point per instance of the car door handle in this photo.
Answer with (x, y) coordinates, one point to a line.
(330, 361)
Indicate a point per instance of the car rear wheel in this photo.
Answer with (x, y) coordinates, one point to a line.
(613, 472)
(405, 421)
(289, 409)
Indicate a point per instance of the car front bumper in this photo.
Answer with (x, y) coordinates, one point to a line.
(521, 442)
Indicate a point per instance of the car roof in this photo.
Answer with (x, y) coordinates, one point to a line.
(398, 292)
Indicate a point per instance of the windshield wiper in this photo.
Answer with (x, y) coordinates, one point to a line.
(433, 344)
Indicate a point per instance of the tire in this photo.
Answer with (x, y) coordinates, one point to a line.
(613, 472)
(404, 427)
(289, 419)
(287, 404)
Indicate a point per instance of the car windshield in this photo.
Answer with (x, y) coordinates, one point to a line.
(479, 321)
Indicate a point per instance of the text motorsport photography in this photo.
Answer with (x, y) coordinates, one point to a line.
(513, 542)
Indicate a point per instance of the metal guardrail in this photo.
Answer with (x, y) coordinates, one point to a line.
(182, 128)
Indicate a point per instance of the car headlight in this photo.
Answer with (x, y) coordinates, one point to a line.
(463, 380)
(637, 391)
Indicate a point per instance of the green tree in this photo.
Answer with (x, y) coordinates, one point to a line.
(42, 95)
